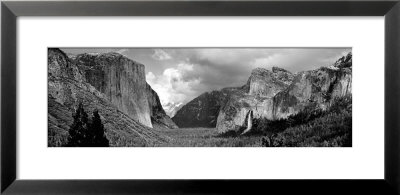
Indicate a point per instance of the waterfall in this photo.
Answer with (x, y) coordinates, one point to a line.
(249, 122)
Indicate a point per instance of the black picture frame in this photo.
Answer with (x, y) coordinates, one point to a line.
(10, 10)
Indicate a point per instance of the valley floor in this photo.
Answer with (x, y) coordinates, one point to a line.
(205, 137)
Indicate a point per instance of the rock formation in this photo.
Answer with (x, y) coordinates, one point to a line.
(123, 82)
(279, 94)
(256, 98)
(69, 84)
(265, 83)
(215, 109)
(271, 94)
(203, 110)
(313, 88)
(157, 113)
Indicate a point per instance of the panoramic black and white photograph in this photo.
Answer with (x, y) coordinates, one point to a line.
(200, 97)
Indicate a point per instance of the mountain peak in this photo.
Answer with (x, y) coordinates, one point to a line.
(266, 83)
(277, 69)
(171, 108)
(259, 70)
(263, 71)
(345, 61)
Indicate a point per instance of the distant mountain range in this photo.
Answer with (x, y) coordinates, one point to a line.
(171, 108)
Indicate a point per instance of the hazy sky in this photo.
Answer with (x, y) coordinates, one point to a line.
(181, 74)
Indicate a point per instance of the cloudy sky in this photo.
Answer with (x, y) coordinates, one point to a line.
(180, 74)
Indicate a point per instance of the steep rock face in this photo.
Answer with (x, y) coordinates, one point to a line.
(66, 88)
(315, 88)
(157, 113)
(227, 109)
(123, 82)
(265, 83)
(261, 87)
(232, 116)
(203, 110)
(282, 95)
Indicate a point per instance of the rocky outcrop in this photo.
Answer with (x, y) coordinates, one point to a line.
(271, 94)
(123, 82)
(265, 83)
(257, 98)
(232, 116)
(227, 109)
(279, 94)
(203, 110)
(316, 88)
(67, 87)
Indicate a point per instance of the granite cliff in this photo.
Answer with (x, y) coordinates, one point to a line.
(256, 99)
(316, 88)
(265, 83)
(110, 83)
(157, 113)
(123, 82)
(271, 94)
(278, 94)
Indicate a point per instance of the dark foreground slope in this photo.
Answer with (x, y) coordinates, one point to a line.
(310, 128)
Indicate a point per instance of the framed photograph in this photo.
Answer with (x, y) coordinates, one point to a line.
(199, 97)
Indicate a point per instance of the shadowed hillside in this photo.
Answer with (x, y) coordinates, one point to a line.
(67, 87)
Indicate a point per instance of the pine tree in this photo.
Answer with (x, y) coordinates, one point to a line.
(96, 131)
(84, 133)
(77, 132)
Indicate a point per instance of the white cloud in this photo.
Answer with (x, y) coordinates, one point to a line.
(171, 86)
(192, 72)
(150, 77)
(160, 54)
(227, 57)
